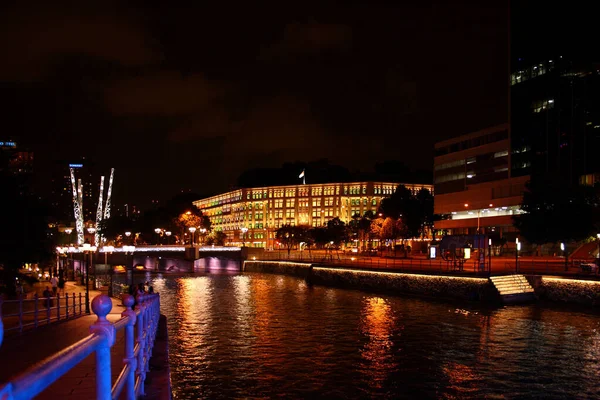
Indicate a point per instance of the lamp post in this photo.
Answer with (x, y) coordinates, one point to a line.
(86, 248)
(168, 233)
(490, 254)
(192, 229)
(203, 231)
(563, 247)
(68, 233)
(129, 250)
(127, 234)
(518, 248)
(244, 230)
(598, 255)
(72, 250)
(58, 251)
(158, 231)
(109, 249)
(91, 230)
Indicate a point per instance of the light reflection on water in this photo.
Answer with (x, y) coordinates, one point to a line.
(259, 335)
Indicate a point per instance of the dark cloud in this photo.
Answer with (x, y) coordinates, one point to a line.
(190, 96)
(308, 39)
(163, 93)
(35, 37)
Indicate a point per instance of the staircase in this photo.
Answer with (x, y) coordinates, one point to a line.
(513, 288)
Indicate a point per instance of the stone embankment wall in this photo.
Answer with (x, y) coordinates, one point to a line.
(449, 287)
(158, 379)
(559, 290)
(301, 270)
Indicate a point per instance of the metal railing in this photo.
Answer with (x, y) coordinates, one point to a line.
(500, 265)
(138, 349)
(24, 312)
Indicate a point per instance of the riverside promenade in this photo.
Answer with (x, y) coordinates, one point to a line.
(20, 352)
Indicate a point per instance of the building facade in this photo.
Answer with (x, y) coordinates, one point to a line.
(475, 189)
(555, 119)
(263, 210)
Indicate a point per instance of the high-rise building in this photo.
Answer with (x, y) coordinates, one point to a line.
(555, 119)
(263, 210)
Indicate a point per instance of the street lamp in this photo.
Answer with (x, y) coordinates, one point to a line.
(128, 234)
(87, 248)
(203, 231)
(244, 230)
(168, 233)
(518, 248)
(158, 231)
(598, 255)
(129, 250)
(490, 253)
(72, 250)
(563, 247)
(192, 229)
(91, 230)
(68, 233)
(109, 249)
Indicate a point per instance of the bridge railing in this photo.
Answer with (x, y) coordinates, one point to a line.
(23, 313)
(138, 349)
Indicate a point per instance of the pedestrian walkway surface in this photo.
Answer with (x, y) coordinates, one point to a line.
(23, 351)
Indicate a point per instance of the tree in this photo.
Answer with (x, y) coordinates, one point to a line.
(361, 227)
(217, 238)
(337, 231)
(556, 212)
(291, 236)
(415, 211)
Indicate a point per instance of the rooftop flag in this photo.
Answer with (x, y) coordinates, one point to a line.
(302, 176)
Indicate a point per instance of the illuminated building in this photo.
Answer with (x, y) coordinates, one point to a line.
(265, 209)
(474, 184)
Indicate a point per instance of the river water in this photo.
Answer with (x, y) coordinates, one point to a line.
(265, 336)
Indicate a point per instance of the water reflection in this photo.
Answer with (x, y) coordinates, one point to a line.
(265, 336)
(377, 326)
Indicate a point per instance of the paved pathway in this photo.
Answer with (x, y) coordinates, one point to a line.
(31, 347)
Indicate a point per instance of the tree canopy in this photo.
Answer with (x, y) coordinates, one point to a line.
(557, 213)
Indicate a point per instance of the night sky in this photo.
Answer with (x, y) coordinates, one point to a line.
(189, 97)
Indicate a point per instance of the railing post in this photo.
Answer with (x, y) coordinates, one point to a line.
(129, 346)
(67, 305)
(58, 306)
(140, 340)
(101, 305)
(74, 306)
(35, 310)
(21, 313)
(80, 305)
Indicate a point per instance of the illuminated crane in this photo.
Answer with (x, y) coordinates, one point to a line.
(99, 213)
(77, 207)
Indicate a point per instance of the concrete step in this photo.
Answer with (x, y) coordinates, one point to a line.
(507, 292)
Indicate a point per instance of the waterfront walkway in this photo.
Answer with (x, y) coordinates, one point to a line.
(20, 352)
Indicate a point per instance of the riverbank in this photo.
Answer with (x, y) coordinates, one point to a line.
(547, 288)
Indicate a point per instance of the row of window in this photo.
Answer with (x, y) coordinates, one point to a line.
(542, 105)
(531, 72)
(470, 143)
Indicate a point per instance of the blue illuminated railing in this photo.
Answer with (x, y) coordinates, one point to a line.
(138, 349)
